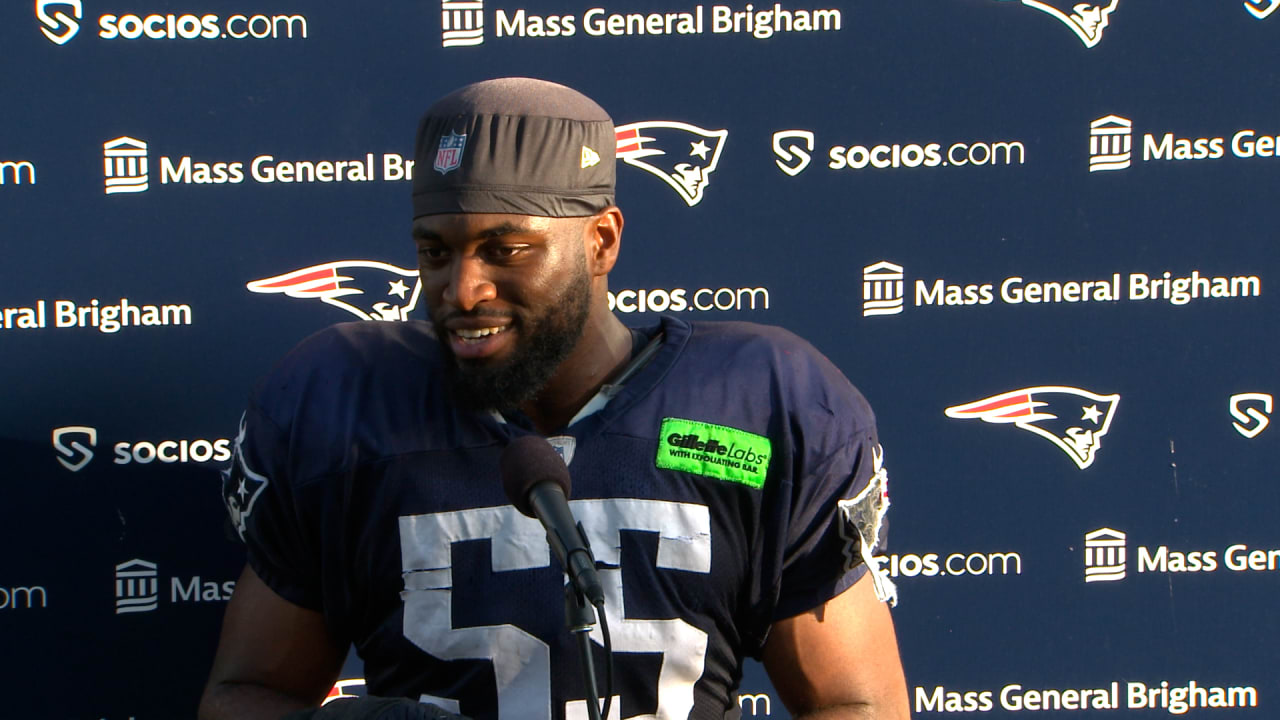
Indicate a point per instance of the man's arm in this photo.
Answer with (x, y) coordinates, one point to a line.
(273, 657)
(839, 660)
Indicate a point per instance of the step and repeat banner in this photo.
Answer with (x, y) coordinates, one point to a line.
(1039, 236)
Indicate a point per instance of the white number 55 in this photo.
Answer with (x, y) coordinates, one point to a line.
(522, 662)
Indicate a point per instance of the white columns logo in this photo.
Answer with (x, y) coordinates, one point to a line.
(137, 589)
(1110, 143)
(1251, 420)
(124, 165)
(1104, 555)
(882, 289)
(461, 22)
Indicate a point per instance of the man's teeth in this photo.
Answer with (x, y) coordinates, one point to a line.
(477, 334)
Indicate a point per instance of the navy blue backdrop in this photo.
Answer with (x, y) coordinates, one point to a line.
(1039, 236)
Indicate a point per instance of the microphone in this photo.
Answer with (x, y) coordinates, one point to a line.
(536, 481)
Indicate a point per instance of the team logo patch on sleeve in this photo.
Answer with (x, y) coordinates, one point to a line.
(713, 451)
(241, 486)
(861, 521)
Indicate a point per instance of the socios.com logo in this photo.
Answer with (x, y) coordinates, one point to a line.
(58, 26)
(1261, 9)
(686, 299)
(793, 148)
(60, 21)
(72, 454)
(793, 153)
(75, 445)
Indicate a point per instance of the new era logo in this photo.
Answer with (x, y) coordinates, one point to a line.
(590, 158)
(1104, 555)
(1110, 143)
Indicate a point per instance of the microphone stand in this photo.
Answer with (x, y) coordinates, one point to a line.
(579, 618)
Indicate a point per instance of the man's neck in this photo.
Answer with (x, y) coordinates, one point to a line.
(600, 354)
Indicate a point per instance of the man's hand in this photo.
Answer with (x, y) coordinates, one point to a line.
(839, 660)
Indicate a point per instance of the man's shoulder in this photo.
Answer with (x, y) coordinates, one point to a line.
(362, 347)
(750, 335)
(761, 358)
(348, 357)
(758, 345)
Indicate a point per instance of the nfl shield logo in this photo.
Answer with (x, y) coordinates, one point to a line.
(449, 155)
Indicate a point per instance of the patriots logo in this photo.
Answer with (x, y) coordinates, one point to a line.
(1073, 419)
(240, 485)
(682, 155)
(862, 522)
(1086, 20)
(340, 284)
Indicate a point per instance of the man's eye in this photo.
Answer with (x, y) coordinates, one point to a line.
(505, 252)
(432, 253)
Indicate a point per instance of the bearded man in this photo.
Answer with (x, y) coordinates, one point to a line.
(728, 476)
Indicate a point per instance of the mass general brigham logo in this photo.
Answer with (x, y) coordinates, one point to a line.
(124, 166)
(882, 289)
(1104, 555)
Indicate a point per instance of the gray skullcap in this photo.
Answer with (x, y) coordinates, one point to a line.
(514, 145)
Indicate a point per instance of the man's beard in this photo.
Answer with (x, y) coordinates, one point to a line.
(544, 343)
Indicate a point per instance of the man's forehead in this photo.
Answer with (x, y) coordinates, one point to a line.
(477, 224)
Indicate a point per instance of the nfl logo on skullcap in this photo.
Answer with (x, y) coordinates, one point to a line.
(449, 154)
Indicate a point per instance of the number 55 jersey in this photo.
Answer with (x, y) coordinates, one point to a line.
(735, 479)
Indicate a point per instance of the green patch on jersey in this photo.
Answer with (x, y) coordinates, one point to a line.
(713, 451)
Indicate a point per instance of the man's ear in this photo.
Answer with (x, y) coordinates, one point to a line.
(604, 240)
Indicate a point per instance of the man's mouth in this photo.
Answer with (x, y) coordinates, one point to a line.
(477, 334)
(479, 343)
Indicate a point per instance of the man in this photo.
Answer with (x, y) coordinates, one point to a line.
(727, 475)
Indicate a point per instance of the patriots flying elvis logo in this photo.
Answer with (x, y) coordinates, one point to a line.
(240, 485)
(1086, 20)
(682, 155)
(368, 289)
(862, 524)
(1073, 419)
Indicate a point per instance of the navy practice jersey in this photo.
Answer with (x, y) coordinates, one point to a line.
(734, 480)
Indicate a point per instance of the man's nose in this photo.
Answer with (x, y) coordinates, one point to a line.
(469, 284)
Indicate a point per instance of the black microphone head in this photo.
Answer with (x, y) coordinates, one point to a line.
(527, 461)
